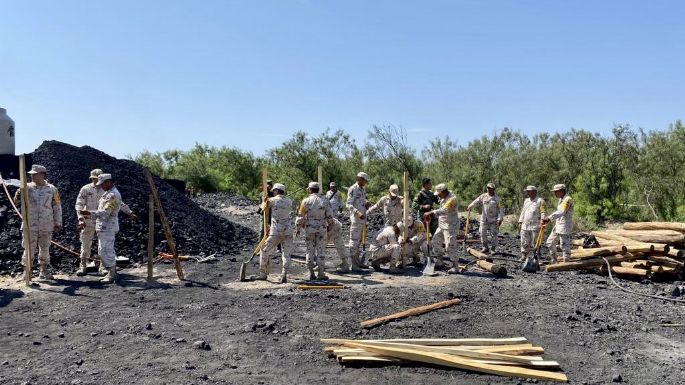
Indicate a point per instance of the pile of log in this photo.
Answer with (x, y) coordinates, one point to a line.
(512, 357)
(640, 250)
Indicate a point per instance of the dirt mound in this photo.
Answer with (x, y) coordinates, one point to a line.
(195, 230)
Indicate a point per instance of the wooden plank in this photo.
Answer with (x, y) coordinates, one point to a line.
(165, 224)
(25, 218)
(666, 261)
(368, 358)
(409, 312)
(476, 253)
(150, 238)
(321, 287)
(462, 363)
(460, 352)
(497, 270)
(440, 341)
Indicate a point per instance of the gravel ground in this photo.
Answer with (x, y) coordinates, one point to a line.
(76, 331)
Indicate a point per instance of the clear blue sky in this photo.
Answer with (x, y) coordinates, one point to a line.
(131, 75)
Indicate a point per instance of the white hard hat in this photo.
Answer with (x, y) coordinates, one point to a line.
(440, 188)
(102, 178)
(363, 175)
(394, 190)
(279, 186)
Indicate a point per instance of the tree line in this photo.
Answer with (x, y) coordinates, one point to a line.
(631, 174)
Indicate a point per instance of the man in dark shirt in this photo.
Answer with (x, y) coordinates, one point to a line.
(423, 202)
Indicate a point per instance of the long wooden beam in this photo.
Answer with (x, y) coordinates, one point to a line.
(26, 220)
(462, 363)
(439, 341)
(409, 312)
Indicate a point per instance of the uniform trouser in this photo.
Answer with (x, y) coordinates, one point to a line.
(316, 245)
(106, 248)
(411, 251)
(40, 242)
(563, 240)
(87, 235)
(284, 239)
(335, 236)
(356, 227)
(449, 238)
(527, 241)
(387, 253)
(489, 232)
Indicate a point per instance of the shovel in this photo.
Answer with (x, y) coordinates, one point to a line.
(429, 268)
(243, 266)
(532, 265)
(363, 262)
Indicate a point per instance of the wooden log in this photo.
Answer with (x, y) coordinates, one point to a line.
(590, 263)
(150, 238)
(675, 226)
(666, 261)
(26, 220)
(639, 264)
(440, 341)
(409, 313)
(680, 254)
(652, 236)
(476, 253)
(598, 251)
(577, 242)
(369, 358)
(608, 239)
(463, 363)
(497, 270)
(663, 270)
(629, 271)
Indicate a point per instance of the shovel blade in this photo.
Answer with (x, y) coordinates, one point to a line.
(429, 269)
(531, 265)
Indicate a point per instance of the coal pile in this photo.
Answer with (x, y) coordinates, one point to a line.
(196, 231)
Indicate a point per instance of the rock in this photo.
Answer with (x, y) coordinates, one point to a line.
(5, 363)
(60, 335)
(148, 326)
(93, 334)
(110, 333)
(79, 362)
(616, 377)
(37, 343)
(676, 292)
(180, 340)
(188, 366)
(202, 345)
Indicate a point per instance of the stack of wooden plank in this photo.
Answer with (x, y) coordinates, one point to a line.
(639, 250)
(514, 357)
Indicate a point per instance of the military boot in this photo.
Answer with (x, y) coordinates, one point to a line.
(83, 270)
(44, 271)
(111, 275)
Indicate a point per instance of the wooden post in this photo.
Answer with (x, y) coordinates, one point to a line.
(265, 195)
(405, 209)
(165, 224)
(320, 180)
(150, 237)
(25, 217)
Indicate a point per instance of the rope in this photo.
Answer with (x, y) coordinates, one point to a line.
(634, 292)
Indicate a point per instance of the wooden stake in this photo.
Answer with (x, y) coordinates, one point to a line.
(150, 238)
(588, 263)
(320, 180)
(409, 312)
(165, 224)
(405, 209)
(265, 211)
(25, 217)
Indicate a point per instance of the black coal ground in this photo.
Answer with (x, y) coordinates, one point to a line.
(196, 231)
(76, 331)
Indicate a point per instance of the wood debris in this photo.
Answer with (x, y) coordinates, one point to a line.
(512, 357)
(641, 250)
